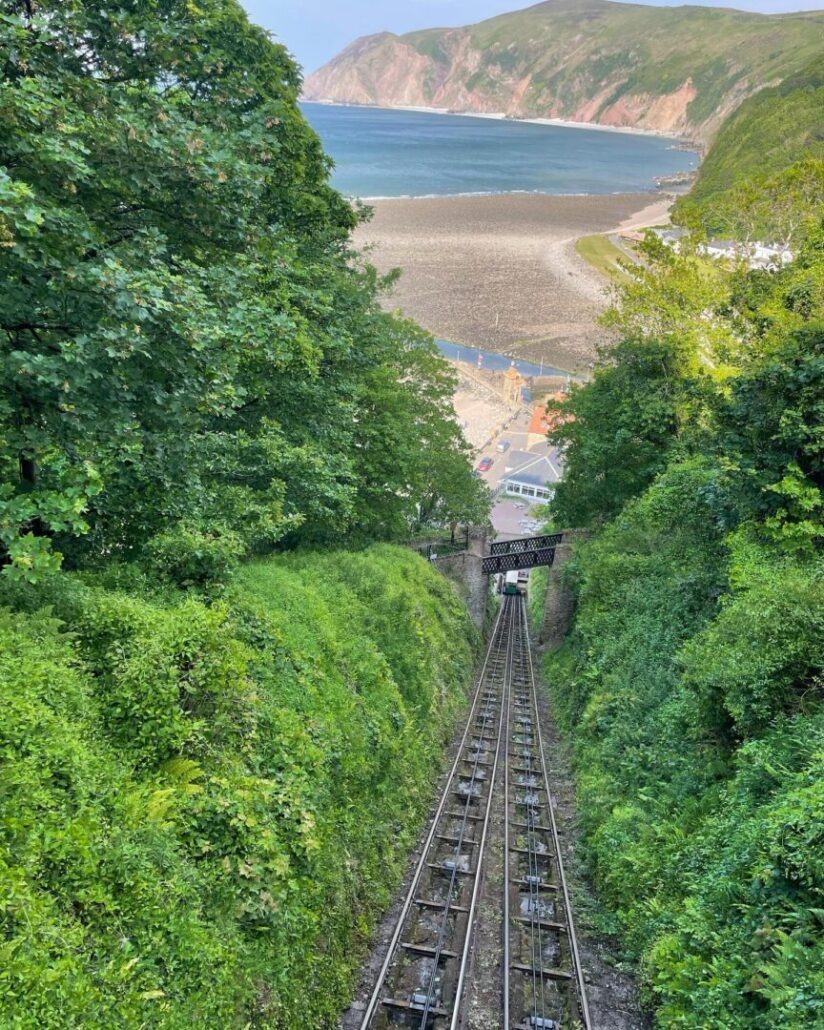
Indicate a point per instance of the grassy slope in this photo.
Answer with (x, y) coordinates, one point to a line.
(768, 132)
(204, 808)
(600, 252)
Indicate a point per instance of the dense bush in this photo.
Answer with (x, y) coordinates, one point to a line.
(204, 808)
(770, 130)
(191, 557)
(692, 684)
(698, 721)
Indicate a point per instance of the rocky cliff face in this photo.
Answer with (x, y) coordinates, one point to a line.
(673, 70)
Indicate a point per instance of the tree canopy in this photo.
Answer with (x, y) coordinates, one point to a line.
(691, 684)
(185, 331)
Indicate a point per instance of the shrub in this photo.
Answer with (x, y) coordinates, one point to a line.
(190, 557)
(691, 686)
(203, 809)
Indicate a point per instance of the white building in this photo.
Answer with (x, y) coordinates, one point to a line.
(767, 256)
(528, 475)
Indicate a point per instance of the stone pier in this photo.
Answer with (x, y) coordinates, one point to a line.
(465, 571)
(559, 606)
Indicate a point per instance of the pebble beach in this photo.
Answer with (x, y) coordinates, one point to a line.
(501, 272)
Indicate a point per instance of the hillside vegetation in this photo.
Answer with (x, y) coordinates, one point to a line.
(769, 132)
(215, 742)
(678, 70)
(692, 685)
(206, 805)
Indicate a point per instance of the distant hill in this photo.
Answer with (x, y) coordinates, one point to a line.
(678, 70)
(768, 132)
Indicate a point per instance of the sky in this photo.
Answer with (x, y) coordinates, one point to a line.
(315, 30)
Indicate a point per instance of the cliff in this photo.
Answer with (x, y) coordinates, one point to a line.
(676, 70)
(771, 130)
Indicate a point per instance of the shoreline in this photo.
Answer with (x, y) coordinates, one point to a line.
(501, 116)
(480, 194)
(501, 273)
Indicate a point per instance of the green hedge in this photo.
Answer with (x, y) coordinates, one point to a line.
(205, 806)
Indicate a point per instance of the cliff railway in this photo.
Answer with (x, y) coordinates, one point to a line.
(422, 982)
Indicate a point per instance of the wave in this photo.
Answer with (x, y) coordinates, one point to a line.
(498, 193)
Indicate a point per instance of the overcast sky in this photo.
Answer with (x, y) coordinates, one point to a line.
(315, 30)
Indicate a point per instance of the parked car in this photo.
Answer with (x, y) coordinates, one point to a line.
(485, 464)
(503, 445)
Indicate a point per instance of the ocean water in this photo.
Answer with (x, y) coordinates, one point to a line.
(490, 361)
(380, 153)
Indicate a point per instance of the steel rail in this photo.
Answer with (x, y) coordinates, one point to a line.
(457, 851)
(535, 931)
(505, 958)
(570, 921)
(478, 878)
(376, 997)
(533, 870)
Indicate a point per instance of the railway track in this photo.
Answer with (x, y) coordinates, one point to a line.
(422, 982)
(543, 987)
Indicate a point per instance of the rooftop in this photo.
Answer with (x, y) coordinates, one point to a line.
(529, 467)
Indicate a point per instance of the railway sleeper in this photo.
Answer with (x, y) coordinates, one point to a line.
(413, 1007)
(560, 975)
(441, 906)
(448, 868)
(442, 954)
(536, 883)
(542, 924)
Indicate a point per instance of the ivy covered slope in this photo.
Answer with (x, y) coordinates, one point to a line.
(692, 685)
(188, 343)
(203, 808)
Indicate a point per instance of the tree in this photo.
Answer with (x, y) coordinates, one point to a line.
(618, 430)
(184, 330)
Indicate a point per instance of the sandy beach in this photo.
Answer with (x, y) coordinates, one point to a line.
(502, 272)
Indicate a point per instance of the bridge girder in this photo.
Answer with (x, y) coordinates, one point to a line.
(514, 560)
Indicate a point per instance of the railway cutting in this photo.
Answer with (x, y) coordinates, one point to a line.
(422, 982)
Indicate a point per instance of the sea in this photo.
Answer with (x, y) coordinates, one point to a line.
(382, 153)
(490, 361)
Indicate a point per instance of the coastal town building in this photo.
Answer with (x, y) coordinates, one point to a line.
(542, 421)
(514, 384)
(529, 475)
(757, 254)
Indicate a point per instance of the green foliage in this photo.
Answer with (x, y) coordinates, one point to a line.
(698, 723)
(692, 684)
(770, 131)
(203, 809)
(185, 332)
(780, 208)
(617, 430)
(536, 597)
(770, 429)
(763, 655)
(190, 557)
